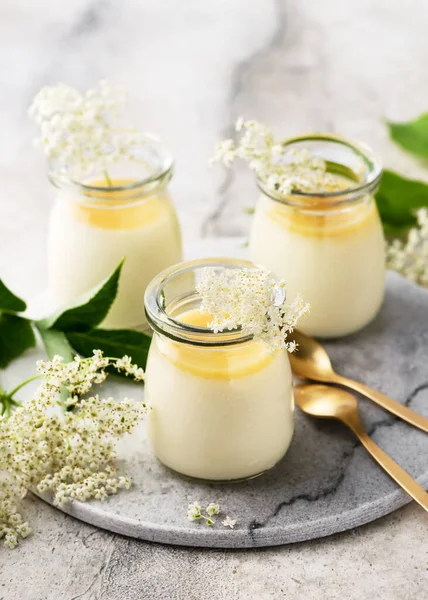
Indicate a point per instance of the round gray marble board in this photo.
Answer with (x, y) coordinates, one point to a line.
(326, 483)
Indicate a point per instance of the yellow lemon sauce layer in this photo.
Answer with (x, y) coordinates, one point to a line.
(332, 222)
(115, 210)
(215, 363)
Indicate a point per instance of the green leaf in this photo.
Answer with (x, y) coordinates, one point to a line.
(55, 342)
(412, 136)
(16, 336)
(113, 342)
(8, 300)
(89, 310)
(398, 199)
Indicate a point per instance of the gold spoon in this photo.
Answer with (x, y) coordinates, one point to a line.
(330, 402)
(311, 361)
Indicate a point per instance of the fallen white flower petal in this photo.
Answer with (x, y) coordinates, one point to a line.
(228, 522)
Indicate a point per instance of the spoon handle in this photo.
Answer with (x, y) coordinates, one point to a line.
(395, 471)
(397, 409)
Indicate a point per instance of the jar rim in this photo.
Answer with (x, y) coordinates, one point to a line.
(162, 322)
(162, 171)
(368, 157)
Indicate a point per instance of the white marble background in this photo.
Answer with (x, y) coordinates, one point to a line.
(191, 67)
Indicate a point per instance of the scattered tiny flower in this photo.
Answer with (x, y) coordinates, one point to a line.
(195, 513)
(228, 522)
(280, 168)
(212, 509)
(410, 257)
(252, 300)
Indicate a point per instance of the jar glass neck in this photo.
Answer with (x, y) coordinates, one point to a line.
(150, 169)
(173, 293)
(121, 188)
(355, 165)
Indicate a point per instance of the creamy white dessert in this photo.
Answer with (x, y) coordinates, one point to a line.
(218, 413)
(89, 237)
(333, 256)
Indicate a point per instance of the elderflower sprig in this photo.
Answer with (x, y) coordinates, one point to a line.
(81, 129)
(281, 169)
(195, 513)
(69, 453)
(78, 376)
(252, 300)
(410, 257)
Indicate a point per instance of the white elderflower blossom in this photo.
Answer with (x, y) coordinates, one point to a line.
(70, 453)
(195, 513)
(80, 129)
(410, 258)
(212, 509)
(125, 365)
(282, 169)
(228, 522)
(252, 300)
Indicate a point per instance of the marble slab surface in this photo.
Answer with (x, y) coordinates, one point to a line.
(326, 483)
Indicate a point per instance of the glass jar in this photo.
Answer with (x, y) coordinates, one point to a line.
(97, 222)
(222, 404)
(327, 246)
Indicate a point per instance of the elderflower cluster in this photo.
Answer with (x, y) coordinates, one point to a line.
(410, 258)
(252, 300)
(281, 169)
(125, 366)
(195, 513)
(80, 129)
(70, 453)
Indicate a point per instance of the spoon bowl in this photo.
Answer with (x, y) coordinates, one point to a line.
(311, 361)
(325, 401)
(330, 402)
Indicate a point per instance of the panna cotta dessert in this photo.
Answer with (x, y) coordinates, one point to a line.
(112, 204)
(221, 403)
(94, 225)
(333, 256)
(316, 223)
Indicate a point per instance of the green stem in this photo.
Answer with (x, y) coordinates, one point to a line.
(6, 405)
(21, 385)
(107, 178)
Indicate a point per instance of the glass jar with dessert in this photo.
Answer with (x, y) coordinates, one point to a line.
(328, 243)
(316, 223)
(112, 200)
(95, 223)
(221, 400)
